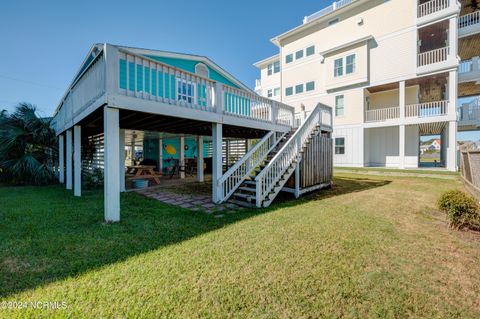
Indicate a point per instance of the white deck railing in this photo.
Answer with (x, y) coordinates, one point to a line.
(433, 56)
(437, 108)
(469, 20)
(469, 112)
(267, 179)
(382, 114)
(334, 6)
(465, 67)
(147, 79)
(432, 7)
(236, 174)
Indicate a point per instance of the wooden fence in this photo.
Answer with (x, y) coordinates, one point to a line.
(470, 171)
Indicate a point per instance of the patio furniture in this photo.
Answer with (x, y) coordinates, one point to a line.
(143, 172)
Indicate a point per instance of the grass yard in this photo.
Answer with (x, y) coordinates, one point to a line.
(373, 246)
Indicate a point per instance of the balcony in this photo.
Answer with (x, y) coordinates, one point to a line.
(469, 70)
(422, 110)
(468, 116)
(433, 56)
(382, 114)
(428, 11)
(469, 24)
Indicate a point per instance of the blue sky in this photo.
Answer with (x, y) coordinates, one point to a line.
(44, 42)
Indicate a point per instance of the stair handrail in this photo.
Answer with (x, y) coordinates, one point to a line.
(271, 174)
(237, 174)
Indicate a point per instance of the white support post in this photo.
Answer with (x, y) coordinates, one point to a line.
(297, 180)
(452, 146)
(216, 161)
(452, 94)
(182, 156)
(160, 155)
(200, 177)
(61, 159)
(402, 103)
(219, 103)
(453, 37)
(68, 155)
(111, 164)
(121, 166)
(77, 160)
(401, 146)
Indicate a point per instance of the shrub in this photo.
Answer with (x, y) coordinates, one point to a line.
(461, 209)
(93, 179)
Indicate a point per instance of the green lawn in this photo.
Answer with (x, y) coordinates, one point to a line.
(373, 246)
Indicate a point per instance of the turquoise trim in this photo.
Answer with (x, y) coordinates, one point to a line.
(123, 74)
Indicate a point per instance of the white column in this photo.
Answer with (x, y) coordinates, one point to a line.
(68, 155)
(453, 37)
(121, 166)
(452, 95)
(297, 180)
(452, 146)
(132, 146)
(182, 156)
(111, 164)
(61, 159)
(160, 155)
(77, 160)
(402, 99)
(216, 161)
(401, 147)
(200, 177)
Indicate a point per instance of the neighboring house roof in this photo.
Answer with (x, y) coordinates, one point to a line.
(182, 61)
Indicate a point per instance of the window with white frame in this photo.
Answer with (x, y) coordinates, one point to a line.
(276, 91)
(276, 66)
(298, 88)
(299, 54)
(270, 69)
(339, 105)
(350, 64)
(310, 86)
(340, 145)
(269, 93)
(338, 67)
(289, 91)
(289, 58)
(185, 91)
(310, 50)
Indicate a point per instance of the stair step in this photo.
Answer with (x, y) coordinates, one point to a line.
(247, 189)
(242, 203)
(247, 197)
(250, 183)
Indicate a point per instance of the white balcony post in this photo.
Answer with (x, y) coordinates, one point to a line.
(452, 146)
(111, 164)
(453, 38)
(401, 146)
(219, 103)
(402, 103)
(452, 94)
(77, 160)
(182, 156)
(68, 155)
(160, 155)
(121, 166)
(216, 162)
(61, 159)
(200, 177)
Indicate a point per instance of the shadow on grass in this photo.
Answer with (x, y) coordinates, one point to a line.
(48, 235)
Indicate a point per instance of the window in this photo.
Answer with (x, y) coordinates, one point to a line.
(276, 67)
(340, 145)
(289, 58)
(350, 64)
(338, 68)
(310, 50)
(276, 91)
(185, 91)
(339, 105)
(299, 88)
(298, 54)
(269, 93)
(270, 69)
(289, 91)
(310, 86)
(332, 22)
(202, 70)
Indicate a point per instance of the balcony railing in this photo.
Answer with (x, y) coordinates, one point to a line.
(334, 6)
(429, 109)
(433, 56)
(465, 67)
(469, 112)
(432, 7)
(382, 114)
(469, 20)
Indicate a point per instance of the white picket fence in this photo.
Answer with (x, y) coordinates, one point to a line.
(432, 7)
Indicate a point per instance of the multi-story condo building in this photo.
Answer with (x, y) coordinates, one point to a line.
(391, 70)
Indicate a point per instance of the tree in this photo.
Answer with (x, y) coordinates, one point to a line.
(28, 147)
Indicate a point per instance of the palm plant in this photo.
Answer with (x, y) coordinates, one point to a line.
(28, 147)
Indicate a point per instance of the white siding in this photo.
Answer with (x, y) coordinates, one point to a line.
(353, 146)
